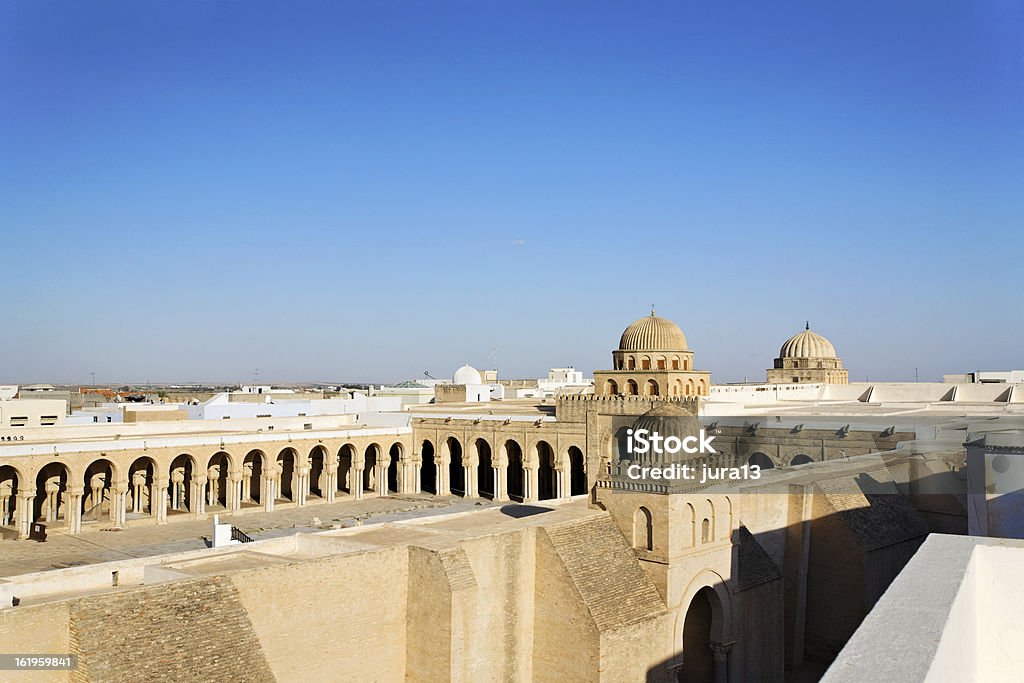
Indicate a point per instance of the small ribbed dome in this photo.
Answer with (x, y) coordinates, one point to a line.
(652, 333)
(467, 374)
(807, 344)
(668, 420)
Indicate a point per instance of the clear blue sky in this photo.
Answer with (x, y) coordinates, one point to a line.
(366, 190)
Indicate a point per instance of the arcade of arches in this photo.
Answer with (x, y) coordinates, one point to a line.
(111, 489)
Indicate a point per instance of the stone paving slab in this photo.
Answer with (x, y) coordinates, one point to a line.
(62, 550)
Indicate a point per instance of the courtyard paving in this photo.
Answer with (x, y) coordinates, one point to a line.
(92, 546)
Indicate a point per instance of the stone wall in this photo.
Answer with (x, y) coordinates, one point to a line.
(335, 618)
(187, 631)
(35, 629)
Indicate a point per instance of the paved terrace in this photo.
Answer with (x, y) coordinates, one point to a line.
(64, 550)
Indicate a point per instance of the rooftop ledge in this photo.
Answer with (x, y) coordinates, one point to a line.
(955, 613)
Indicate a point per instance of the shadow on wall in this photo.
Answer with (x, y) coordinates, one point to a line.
(797, 593)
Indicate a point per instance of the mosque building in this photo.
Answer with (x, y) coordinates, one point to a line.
(570, 569)
(652, 360)
(807, 357)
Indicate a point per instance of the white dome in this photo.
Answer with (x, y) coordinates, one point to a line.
(467, 374)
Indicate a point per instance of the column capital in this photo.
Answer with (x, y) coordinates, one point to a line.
(721, 650)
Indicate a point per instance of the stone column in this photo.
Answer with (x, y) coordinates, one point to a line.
(119, 505)
(199, 497)
(74, 509)
(721, 655)
(52, 507)
(213, 491)
(158, 501)
(97, 484)
(469, 482)
(6, 494)
(246, 492)
(530, 483)
(26, 500)
(382, 479)
(501, 483)
(138, 485)
(178, 488)
(268, 494)
(329, 485)
(305, 481)
(357, 483)
(234, 497)
(560, 490)
(441, 478)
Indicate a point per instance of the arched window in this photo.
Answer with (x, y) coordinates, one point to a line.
(631, 388)
(643, 529)
(693, 524)
(661, 363)
(705, 530)
(610, 387)
(631, 363)
(675, 363)
(651, 388)
(645, 363)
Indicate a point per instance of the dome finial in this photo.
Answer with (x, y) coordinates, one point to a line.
(652, 310)
(807, 325)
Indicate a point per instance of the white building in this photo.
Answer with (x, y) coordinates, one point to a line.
(32, 412)
(987, 377)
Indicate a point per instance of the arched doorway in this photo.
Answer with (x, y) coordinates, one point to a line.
(394, 455)
(577, 473)
(346, 455)
(371, 458)
(285, 474)
(140, 491)
(428, 469)
(9, 482)
(545, 471)
(698, 659)
(252, 477)
(761, 460)
(217, 494)
(51, 492)
(514, 457)
(456, 471)
(484, 470)
(182, 472)
(96, 503)
(317, 477)
(800, 459)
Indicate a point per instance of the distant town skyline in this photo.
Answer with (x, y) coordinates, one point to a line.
(327, 192)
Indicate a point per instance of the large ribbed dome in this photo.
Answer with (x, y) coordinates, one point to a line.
(653, 334)
(807, 344)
